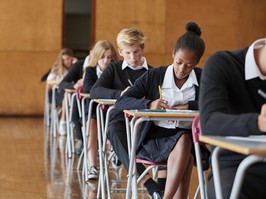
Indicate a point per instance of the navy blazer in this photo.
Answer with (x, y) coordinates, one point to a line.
(145, 90)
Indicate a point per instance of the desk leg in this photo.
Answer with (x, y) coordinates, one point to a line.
(106, 175)
(101, 188)
(241, 173)
(216, 173)
(68, 140)
(85, 142)
(132, 173)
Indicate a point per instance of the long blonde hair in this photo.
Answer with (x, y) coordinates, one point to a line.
(58, 67)
(99, 49)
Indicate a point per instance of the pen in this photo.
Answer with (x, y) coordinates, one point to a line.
(262, 94)
(130, 83)
(160, 92)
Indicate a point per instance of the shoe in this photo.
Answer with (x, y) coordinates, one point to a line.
(62, 128)
(157, 195)
(78, 146)
(93, 173)
(116, 162)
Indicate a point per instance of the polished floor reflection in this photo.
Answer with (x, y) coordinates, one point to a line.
(33, 165)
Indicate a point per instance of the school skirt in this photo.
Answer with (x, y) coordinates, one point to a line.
(160, 142)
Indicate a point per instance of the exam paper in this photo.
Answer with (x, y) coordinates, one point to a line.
(256, 138)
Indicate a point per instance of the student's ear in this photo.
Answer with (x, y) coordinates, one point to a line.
(120, 52)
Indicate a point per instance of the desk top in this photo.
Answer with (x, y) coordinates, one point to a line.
(243, 146)
(70, 90)
(162, 113)
(105, 101)
(86, 95)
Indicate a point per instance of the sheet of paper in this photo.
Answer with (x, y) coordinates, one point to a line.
(181, 111)
(256, 138)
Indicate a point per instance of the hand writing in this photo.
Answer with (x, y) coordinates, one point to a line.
(159, 104)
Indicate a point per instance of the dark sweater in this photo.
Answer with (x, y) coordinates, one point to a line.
(229, 104)
(73, 76)
(89, 79)
(112, 82)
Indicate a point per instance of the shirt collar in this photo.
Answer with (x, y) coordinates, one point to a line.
(98, 71)
(144, 65)
(169, 78)
(251, 68)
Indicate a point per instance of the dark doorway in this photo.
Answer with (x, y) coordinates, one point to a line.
(77, 33)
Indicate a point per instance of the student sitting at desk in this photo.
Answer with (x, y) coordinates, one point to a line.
(231, 106)
(102, 54)
(175, 86)
(117, 77)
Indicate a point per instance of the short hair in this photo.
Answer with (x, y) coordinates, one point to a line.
(99, 49)
(130, 37)
(191, 40)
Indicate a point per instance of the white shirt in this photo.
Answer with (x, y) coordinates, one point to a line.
(86, 62)
(176, 96)
(54, 76)
(98, 71)
(144, 65)
(251, 68)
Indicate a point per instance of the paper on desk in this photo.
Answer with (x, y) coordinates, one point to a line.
(180, 111)
(255, 138)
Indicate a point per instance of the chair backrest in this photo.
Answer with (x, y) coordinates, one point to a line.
(202, 156)
(196, 129)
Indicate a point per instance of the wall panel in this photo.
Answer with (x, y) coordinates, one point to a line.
(30, 35)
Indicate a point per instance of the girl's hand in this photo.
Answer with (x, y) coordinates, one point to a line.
(78, 84)
(262, 119)
(180, 107)
(159, 104)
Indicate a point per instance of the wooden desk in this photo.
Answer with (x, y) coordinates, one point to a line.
(255, 151)
(140, 116)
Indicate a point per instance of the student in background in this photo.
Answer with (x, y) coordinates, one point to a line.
(72, 80)
(102, 54)
(61, 67)
(231, 106)
(116, 78)
(175, 86)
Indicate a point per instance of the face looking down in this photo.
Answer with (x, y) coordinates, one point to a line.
(184, 62)
(132, 55)
(105, 59)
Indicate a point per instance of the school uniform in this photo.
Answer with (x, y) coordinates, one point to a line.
(229, 106)
(155, 136)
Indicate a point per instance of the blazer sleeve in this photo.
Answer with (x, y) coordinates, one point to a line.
(140, 94)
(194, 105)
(218, 117)
(89, 79)
(73, 75)
(102, 88)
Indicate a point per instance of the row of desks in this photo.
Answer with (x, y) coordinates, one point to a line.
(255, 150)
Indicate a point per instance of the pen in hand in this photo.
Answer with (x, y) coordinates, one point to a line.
(262, 94)
(130, 83)
(160, 92)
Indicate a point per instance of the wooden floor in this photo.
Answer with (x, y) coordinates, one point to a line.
(33, 165)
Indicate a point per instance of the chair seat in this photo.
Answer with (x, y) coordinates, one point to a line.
(147, 162)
